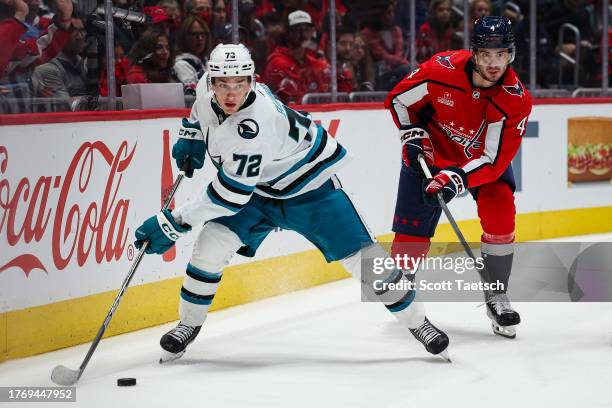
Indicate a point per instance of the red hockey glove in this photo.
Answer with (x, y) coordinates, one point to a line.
(450, 182)
(415, 140)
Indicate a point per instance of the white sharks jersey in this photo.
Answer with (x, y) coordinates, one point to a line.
(265, 148)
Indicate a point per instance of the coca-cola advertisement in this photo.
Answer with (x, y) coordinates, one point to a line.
(589, 153)
(70, 199)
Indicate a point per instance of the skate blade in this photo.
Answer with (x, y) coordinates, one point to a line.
(508, 332)
(167, 357)
(444, 354)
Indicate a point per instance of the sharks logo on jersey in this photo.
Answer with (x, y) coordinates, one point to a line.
(516, 89)
(444, 60)
(248, 128)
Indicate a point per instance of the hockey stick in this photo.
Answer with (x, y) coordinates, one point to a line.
(62, 375)
(484, 273)
(447, 212)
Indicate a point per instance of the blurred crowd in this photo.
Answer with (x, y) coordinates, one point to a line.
(56, 49)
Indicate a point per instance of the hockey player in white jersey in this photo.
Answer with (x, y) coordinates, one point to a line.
(275, 168)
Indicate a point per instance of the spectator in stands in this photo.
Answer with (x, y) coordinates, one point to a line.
(263, 7)
(294, 70)
(224, 35)
(402, 16)
(248, 20)
(478, 8)
(385, 42)
(285, 7)
(202, 8)
(319, 11)
(20, 57)
(575, 13)
(547, 64)
(363, 68)
(345, 42)
(151, 59)
(219, 18)
(122, 67)
(567, 11)
(325, 33)
(595, 14)
(65, 75)
(436, 34)
(192, 45)
(263, 47)
(160, 19)
(173, 8)
(11, 29)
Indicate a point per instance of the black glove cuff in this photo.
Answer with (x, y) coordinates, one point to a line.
(414, 125)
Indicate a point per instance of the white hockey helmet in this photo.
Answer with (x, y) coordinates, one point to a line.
(229, 60)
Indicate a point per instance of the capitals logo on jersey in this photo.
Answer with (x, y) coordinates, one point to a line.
(516, 89)
(464, 137)
(444, 60)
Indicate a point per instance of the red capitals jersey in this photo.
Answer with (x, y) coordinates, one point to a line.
(476, 129)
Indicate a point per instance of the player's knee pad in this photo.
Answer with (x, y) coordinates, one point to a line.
(214, 247)
(496, 211)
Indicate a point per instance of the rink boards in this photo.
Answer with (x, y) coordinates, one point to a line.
(73, 187)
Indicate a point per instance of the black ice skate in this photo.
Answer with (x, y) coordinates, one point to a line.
(434, 339)
(503, 318)
(176, 341)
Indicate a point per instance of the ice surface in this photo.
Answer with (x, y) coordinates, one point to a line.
(322, 347)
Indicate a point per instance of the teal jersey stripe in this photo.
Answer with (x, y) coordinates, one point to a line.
(245, 188)
(310, 175)
(217, 199)
(305, 160)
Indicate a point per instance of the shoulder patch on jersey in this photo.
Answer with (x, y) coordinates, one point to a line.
(248, 128)
(445, 61)
(516, 89)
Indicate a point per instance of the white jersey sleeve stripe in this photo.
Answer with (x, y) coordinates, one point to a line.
(407, 99)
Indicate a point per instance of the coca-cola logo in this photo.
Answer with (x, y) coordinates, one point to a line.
(79, 226)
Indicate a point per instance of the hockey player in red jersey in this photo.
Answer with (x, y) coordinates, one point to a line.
(465, 112)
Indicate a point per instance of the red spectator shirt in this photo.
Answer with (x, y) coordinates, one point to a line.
(10, 31)
(136, 75)
(476, 129)
(429, 43)
(25, 55)
(380, 50)
(290, 80)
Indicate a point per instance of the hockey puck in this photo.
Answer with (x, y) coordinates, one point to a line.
(126, 382)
